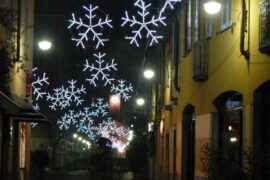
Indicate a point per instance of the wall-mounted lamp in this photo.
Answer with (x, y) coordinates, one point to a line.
(45, 45)
(212, 6)
(140, 101)
(148, 73)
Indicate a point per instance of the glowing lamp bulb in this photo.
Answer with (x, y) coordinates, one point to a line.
(115, 99)
(148, 74)
(212, 7)
(45, 45)
(140, 101)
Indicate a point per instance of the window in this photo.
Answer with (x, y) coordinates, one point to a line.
(188, 27)
(197, 21)
(226, 16)
(208, 26)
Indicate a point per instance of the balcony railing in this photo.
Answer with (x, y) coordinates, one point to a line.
(264, 44)
(200, 61)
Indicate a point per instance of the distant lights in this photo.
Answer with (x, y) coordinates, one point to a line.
(115, 99)
(233, 139)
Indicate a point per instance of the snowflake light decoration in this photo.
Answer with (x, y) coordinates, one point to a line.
(57, 99)
(122, 90)
(100, 107)
(145, 24)
(72, 116)
(37, 84)
(99, 70)
(63, 123)
(92, 28)
(168, 4)
(62, 97)
(35, 106)
(33, 125)
(86, 116)
(72, 94)
(112, 130)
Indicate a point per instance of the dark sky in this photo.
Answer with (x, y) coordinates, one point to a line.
(65, 61)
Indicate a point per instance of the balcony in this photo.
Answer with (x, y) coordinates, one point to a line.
(200, 61)
(264, 44)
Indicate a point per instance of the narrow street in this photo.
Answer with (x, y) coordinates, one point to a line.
(80, 175)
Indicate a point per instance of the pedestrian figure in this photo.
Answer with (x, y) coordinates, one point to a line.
(41, 160)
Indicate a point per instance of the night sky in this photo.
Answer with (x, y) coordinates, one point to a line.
(65, 61)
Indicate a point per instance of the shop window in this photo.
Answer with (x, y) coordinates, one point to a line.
(167, 160)
(174, 153)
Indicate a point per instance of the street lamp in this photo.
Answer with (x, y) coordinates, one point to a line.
(212, 6)
(44, 45)
(75, 136)
(140, 101)
(148, 73)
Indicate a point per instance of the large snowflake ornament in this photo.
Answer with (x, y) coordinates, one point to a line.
(38, 84)
(100, 107)
(99, 70)
(72, 94)
(92, 27)
(57, 99)
(144, 25)
(168, 4)
(122, 89)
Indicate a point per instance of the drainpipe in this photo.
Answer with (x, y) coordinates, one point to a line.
(244, 30)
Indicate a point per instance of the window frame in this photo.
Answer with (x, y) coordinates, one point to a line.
(226, 14)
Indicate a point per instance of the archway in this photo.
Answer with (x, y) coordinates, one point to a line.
(229, 126)
(188, 143)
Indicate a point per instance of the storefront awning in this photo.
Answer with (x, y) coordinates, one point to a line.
(19, 109)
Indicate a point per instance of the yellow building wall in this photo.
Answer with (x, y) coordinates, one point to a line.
(228, 70)
(17, 84)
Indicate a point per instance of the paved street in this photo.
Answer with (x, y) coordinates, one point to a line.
(80, 175)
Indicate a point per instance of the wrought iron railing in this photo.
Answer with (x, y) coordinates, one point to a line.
(200, 61)
(264, 44)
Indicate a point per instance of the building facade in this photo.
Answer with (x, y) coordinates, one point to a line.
(16, 113)
(213, 87)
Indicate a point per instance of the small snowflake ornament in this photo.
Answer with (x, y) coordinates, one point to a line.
(38, 84)
(33, 125)
(63, 123)
(144, 25)
(122, 89)
(86, 116)
(100, 107)
(168, 4)
(72, 116)
(99, 70)
(57, 99)
(72, 94)
(91, 27)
